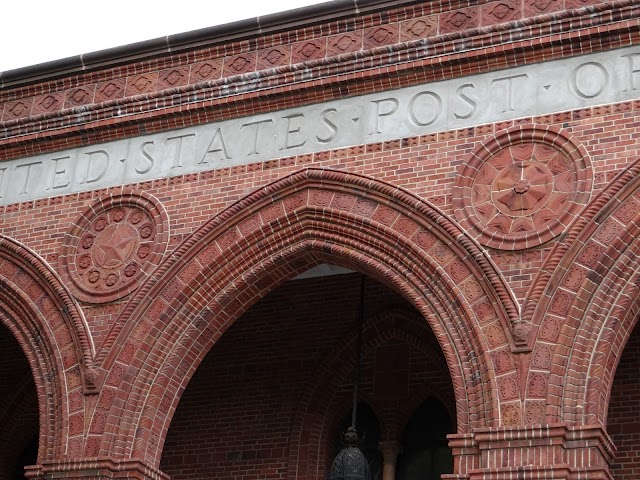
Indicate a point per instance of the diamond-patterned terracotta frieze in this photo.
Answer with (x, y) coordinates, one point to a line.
(522, 188)
(49, 102)
(18, 109)
(274, 57)
(501, 11)
(416, 28)
(381, 35)
(458, 20)
(140, 84)
(114, 246)
(344, 43)
(173, 77)
(538, 7)
(238, 64)
(110, 90)
(204, 71)
(79, 96)
(309, 50)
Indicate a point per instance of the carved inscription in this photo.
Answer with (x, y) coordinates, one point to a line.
(549, 87)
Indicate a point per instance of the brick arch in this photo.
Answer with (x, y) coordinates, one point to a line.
(315, 422)
(576, 306)
(309, 217)
(51, 331)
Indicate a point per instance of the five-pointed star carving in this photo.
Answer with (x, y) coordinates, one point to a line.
(114, 246)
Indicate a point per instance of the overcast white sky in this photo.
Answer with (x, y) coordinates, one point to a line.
(37, 31)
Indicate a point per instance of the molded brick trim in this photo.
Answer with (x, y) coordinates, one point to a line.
(95, 468)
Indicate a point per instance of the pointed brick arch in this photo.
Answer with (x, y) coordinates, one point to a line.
(583, 305)
(51, 331)
(310, 217)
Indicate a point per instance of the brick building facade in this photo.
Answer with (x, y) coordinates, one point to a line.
(184, 224)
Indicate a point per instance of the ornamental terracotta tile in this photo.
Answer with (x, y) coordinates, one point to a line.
(535, 413)
(205, 71)
(344, 43)
(484, 311)
(18, 109)
(274, 57)
(79, 96)
(508, 387)
(110, 90)
(550, 329)
(141, 84)
(537, 385)
(542, 356)
(457, 20)
(173, 77)
(417, 28)
(309, 50)
(502, 361)
(113, 247)
(501, 11)
(381, 35)
(524, 193)
(539, 7)
(50, 102)
(510, 415)
(239, 64)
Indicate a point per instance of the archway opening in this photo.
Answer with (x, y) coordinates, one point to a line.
(425, 454)
(623, 420)
(268, 399)
(18, 410)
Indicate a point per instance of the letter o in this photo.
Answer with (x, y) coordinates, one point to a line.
(436, 114)
(594, 84)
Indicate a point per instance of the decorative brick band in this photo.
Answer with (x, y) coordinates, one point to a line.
(550, 452)
(356, 73)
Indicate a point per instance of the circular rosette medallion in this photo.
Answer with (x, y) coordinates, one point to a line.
(113, 247)
(522, 188)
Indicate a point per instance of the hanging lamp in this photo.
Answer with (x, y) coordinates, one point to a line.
(350, 463)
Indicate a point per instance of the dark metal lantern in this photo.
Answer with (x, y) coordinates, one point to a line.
(350, 463)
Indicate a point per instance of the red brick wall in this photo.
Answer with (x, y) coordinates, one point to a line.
(239, 415)
(427, 169)
(235, 418)
(623, 422)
